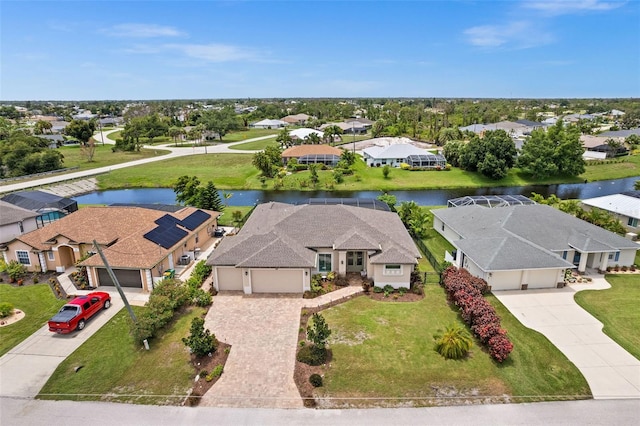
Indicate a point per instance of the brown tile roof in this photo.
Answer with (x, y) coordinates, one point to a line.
(300, 150)
(120, 227)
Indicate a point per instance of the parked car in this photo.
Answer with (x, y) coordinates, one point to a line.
(219, 232)
(75, 314)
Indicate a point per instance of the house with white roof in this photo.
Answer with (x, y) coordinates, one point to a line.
(269, 124)
(528, 246)
(396, 154)
(624, 206)
(303, 134)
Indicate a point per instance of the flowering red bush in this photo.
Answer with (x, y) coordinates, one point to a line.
(466, 291)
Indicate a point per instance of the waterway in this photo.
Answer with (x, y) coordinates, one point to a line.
(430, 197)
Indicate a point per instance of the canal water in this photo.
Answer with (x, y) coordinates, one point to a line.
(430, 197)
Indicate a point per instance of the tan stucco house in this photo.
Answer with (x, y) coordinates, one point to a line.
(139, 243)
(282, 245)
(528, 246)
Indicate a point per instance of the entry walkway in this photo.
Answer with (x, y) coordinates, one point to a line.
(610, 371)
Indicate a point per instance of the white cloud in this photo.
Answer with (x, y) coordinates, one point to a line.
(572, 6)
(518, 35)
(214, 52)
(142, 31)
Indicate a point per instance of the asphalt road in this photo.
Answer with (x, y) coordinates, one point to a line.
(17, 412)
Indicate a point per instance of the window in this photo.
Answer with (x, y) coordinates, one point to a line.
(324, 262)
(614, 256)
(21, 227)
(392, 269)
(23, 257)
(50, 256)
(633, 222)
(564, 255)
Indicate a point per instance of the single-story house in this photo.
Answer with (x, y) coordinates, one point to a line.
(303, 134)
(50, 207)
(624, 206)
(15, 221)
(351, 127)
(269, 124)
(396, 154)
(597, 146)
(139, 244)
(311, 154)
(282, 245)
(296, 119)
(55, 141)
(528, 246)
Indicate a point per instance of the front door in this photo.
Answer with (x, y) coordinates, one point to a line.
(355, 261)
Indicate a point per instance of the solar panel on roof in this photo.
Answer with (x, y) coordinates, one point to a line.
(167, 236)
(167, 220)
(195, 219)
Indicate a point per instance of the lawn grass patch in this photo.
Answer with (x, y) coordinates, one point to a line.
(256, 145)
(386, 350)
(39, 305)
(157, 140)
(104, 156)
(617, 309)
(115, 369)
(227, 217)
(243, 135)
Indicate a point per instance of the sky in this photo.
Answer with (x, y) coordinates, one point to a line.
(117, 50)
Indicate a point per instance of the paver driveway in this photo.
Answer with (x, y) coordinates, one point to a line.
(610, 371)
(263, 332)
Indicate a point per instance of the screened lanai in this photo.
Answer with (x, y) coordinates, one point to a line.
(427, 161)
(490, 201)
(327, 159)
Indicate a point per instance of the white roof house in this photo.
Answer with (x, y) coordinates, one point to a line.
(393, 155)
(625, 206)
(304, 133)
(269, 124)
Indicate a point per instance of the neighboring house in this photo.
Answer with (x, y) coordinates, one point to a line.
(310, 154)
(396, 154)
(15, 221)
(303, 134)
(621, 133)
(352, 127)
(574, 118)
(55, 141)
(269, 124)
(282, 245)
(297, 119)
(514, 129)
(139, 244)
(596, 147)
(50, 207)
(528, 246)
(58, 126)
(625, 207)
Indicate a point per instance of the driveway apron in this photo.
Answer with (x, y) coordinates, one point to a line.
(610, 371)
(263, 332)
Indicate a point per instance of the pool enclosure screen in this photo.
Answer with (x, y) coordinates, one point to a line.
(327, 159)
(427, 161)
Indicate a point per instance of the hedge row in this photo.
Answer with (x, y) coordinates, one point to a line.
(466, 292)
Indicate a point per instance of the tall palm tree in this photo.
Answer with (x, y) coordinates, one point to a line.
(313, 139)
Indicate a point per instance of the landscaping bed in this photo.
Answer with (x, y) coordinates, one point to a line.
(206, 375)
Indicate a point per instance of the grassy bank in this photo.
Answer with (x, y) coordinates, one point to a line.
(617, 309)
(235, 171)
(124, 371)
(103, 156)
(255, 145)
(38, 304)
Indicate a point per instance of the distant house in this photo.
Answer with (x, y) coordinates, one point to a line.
(55, 141)
(50, 207)
(269, 124)
(351, 127)
(624, 206)
(139, 244)
(596, 147)
(528, 246)
(297, 119)
(312, 154)
(514, 129)
(282, 245)
(303, 134)
(15, 221)
(58, 126)
(396, 154)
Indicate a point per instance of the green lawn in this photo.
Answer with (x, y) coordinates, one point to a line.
(103, 156)
(228, 171)
(243, 135)
(159, 140)
(114, 369)
(37, 302)
(385, 350)
(617, 308)
(256, 145)
(227, 217)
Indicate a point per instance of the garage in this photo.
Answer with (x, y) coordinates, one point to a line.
(544, 278)
(126, 277)
(276, 280)
(505, 280)
(229, 279)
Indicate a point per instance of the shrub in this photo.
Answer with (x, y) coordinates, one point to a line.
(341, 281)
(402, 291)
(331, 276)
(5, 309)
(377, 289)
(312, 355)
(200, 341)
(388, 288)
(385, 171)
(16, 270)
(315, 380)
(202, 298)
(454, 343)
(319, 331)
(216, 372)
(302, 343)
(203, 373)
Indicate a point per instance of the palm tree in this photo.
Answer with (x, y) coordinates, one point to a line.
(175, 132)
(455, 343)
(313, 139)
(330, 132)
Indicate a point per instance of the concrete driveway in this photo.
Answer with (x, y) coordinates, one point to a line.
(610, 370)
(263, 332)
(28, 366)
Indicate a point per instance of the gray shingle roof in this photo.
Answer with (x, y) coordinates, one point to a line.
(284, 235)
(539, 227)
(13, 214)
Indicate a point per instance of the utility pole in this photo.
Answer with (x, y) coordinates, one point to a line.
(115, 281)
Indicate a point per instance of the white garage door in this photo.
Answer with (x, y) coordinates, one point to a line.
(505, 280)
(276, 281)
(545, 278)
(229, 279)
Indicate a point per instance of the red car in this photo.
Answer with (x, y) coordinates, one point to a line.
(75, 314)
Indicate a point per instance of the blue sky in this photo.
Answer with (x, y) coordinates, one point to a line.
(89, 50)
